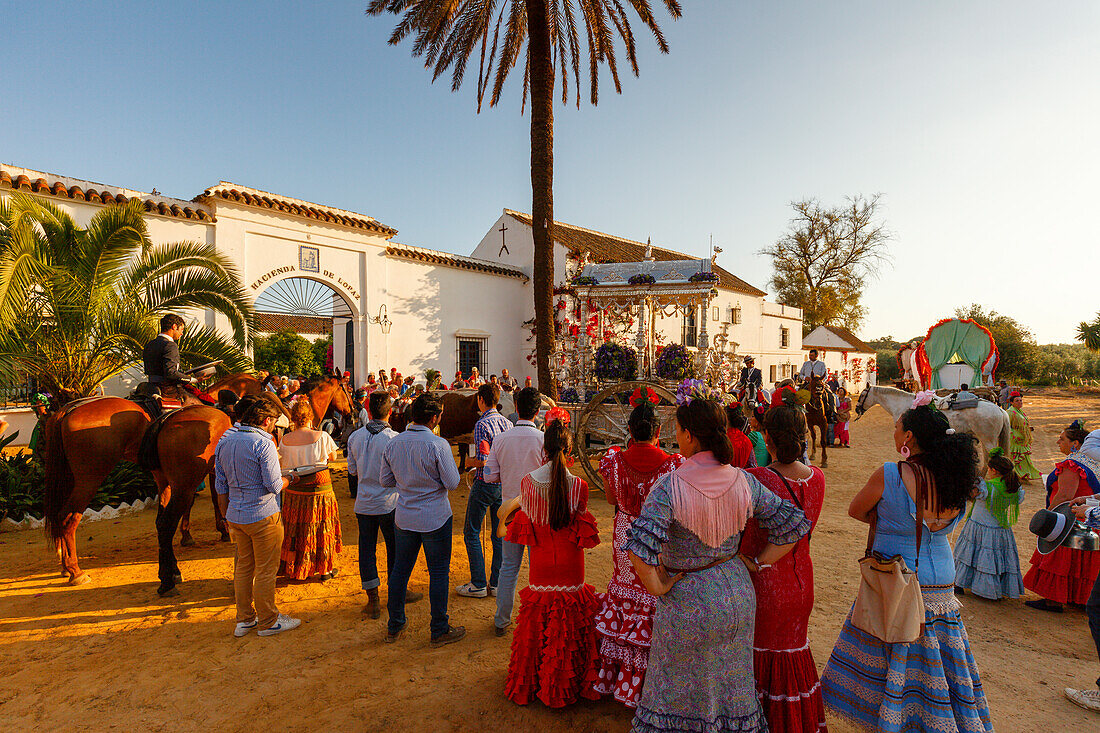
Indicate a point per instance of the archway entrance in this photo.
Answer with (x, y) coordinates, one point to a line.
(313, 310)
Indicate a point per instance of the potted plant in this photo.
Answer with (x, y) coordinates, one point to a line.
(615, 362)
(675, 363)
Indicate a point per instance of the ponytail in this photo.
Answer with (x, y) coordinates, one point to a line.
(557, 443)
(951, 458)
(1004, 467)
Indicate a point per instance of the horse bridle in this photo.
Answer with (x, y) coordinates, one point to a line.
(860, 409)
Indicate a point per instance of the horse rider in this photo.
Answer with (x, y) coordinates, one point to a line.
(813, 367)
(162, 360)
(751, 380)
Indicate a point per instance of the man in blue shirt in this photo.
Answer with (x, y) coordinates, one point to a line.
(375, 504)
(420, 465)
(248, 481)
(484, 496)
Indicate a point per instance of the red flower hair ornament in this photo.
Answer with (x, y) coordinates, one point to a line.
(558, 414)
(643, 394)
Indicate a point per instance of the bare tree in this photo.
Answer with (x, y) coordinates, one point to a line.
(826, 257)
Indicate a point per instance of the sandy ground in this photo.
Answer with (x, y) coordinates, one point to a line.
(111, 655)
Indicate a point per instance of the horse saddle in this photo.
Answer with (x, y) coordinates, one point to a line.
(147, 395)
(951, 402)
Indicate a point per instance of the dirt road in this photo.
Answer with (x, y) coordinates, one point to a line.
(111, 655)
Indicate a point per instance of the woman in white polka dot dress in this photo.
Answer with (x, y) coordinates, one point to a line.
(625, 619)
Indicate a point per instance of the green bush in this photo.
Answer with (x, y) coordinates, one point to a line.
(23, 480)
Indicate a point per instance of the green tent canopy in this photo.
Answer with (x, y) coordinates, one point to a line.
(967, 347)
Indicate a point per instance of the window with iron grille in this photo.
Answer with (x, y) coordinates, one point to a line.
(689, 336)
(784, 337)
(472, 352)
(733, 314)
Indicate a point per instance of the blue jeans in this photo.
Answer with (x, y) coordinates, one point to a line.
(483, 497)
(1092, 609)
(369, 525)
(512, 554)
(830, 434)
(437, 553)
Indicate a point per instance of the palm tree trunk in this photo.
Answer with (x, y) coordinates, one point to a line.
(542, 186)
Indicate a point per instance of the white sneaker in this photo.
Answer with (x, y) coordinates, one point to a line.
(283, 623)
(493, 591)
(1088, 699)
(244, 627)
(469, 591)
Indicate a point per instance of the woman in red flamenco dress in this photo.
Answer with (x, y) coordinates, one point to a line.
(554, 651)
(625, 619)
(787, 682)
(1066, 575)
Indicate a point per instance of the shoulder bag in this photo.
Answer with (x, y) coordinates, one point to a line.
(889, 605)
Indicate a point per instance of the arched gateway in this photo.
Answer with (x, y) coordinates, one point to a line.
(312, 309)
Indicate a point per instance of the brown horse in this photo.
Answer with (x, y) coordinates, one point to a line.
(93, 435)
(818, 411)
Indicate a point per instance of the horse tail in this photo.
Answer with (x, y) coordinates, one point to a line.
(59, 478)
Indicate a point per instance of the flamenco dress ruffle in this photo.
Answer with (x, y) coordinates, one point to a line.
(311, 522)
(931, 684)
(1065, 575)
(792, 701)
(554, 647)
(624, 623)
(987, 562)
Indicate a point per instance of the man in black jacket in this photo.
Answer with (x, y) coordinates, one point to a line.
(162, 354)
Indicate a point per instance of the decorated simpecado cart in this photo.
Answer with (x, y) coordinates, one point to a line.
(600, 381)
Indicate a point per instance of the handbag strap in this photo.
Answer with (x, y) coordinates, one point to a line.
(918, 529)
(794, 496)
(921, 475)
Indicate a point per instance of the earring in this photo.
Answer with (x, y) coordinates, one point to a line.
(905, 451)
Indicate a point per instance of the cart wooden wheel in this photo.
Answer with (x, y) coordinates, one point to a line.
(603, 424)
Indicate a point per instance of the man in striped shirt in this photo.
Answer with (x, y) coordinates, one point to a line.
(484, 497)
(420, 465)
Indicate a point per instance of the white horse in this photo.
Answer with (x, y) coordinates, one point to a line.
(987, 422)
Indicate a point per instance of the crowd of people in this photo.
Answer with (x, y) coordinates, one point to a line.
(704, 622)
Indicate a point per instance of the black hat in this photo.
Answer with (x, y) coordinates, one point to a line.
(1052, 526)
(748, 359)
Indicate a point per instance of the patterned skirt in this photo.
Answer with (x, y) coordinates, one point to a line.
(987, 562)
(625, 626)
(931, 684)
(1021, 459)
(311, 521)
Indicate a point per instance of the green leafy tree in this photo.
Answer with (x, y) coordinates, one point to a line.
(78, 305)
(1090, 333)
(322, 354)
(286, 353)
(823, 262)
(1019, 353)
(448, 32)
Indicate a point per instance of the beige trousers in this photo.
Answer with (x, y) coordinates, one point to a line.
(254, 568)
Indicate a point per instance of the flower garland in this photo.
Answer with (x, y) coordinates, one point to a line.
(675, 362)
(614, 361)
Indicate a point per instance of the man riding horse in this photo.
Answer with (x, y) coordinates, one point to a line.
(750, 382)
(162, 363)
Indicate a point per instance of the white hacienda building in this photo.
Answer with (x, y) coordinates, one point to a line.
(316, 269)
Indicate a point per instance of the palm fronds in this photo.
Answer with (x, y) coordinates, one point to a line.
(77, 305)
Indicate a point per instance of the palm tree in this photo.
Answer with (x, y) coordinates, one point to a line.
(77, 305)
(1090, 333)
(447, 32)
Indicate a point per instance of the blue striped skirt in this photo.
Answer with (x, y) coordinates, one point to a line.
(931, 684)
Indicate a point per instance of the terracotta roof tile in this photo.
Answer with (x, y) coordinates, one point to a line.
(264, 200)
(433, 257)
(51, 185)
(609, 248)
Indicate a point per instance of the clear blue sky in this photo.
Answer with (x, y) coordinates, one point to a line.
(978, 122)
